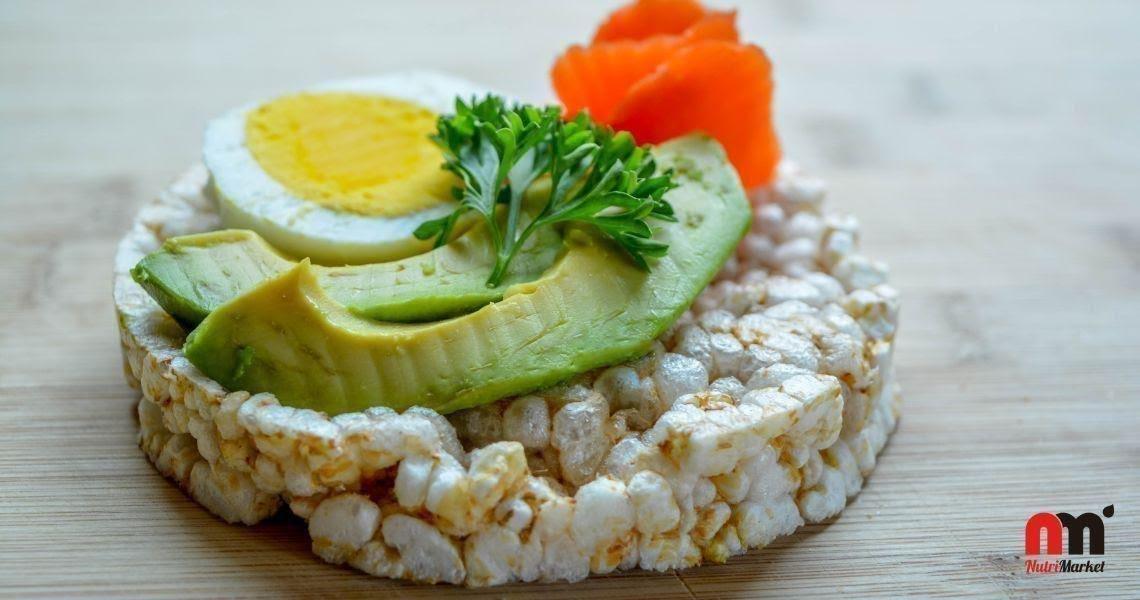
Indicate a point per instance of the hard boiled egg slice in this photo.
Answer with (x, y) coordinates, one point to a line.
(342, 173)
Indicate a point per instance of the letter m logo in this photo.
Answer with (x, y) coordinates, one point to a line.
(1077, 526)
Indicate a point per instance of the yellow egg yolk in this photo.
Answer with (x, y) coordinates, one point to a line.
(351, 152)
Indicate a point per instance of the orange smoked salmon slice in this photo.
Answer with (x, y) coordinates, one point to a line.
(646, 18)
(721, 88)
(599, 76)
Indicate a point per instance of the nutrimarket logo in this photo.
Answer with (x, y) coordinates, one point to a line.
(1049, 526)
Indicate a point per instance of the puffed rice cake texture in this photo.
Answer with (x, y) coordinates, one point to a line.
(764, 407)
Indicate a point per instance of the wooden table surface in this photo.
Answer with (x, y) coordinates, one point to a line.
(990, 149)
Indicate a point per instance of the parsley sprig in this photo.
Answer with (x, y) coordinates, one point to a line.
(596, 176)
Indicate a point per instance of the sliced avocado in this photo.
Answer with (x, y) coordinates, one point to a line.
(290, 337)
(192, 275)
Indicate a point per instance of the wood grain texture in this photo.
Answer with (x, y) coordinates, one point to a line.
(990, 149)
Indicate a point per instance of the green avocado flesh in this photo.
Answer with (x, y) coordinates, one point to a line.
(192, 275)
(592, 308)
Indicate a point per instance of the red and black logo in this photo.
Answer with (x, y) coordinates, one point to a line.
(1083, 532)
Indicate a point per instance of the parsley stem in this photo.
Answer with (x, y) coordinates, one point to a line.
(510, 245)
(503, 262)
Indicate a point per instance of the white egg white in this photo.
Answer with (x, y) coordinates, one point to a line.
(249, 198)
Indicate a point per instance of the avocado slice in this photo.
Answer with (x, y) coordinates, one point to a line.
(289, 336)
(192, 275)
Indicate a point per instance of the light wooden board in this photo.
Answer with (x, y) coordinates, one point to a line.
(990, 149)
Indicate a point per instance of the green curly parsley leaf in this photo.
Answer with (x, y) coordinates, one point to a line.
(597, 177)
